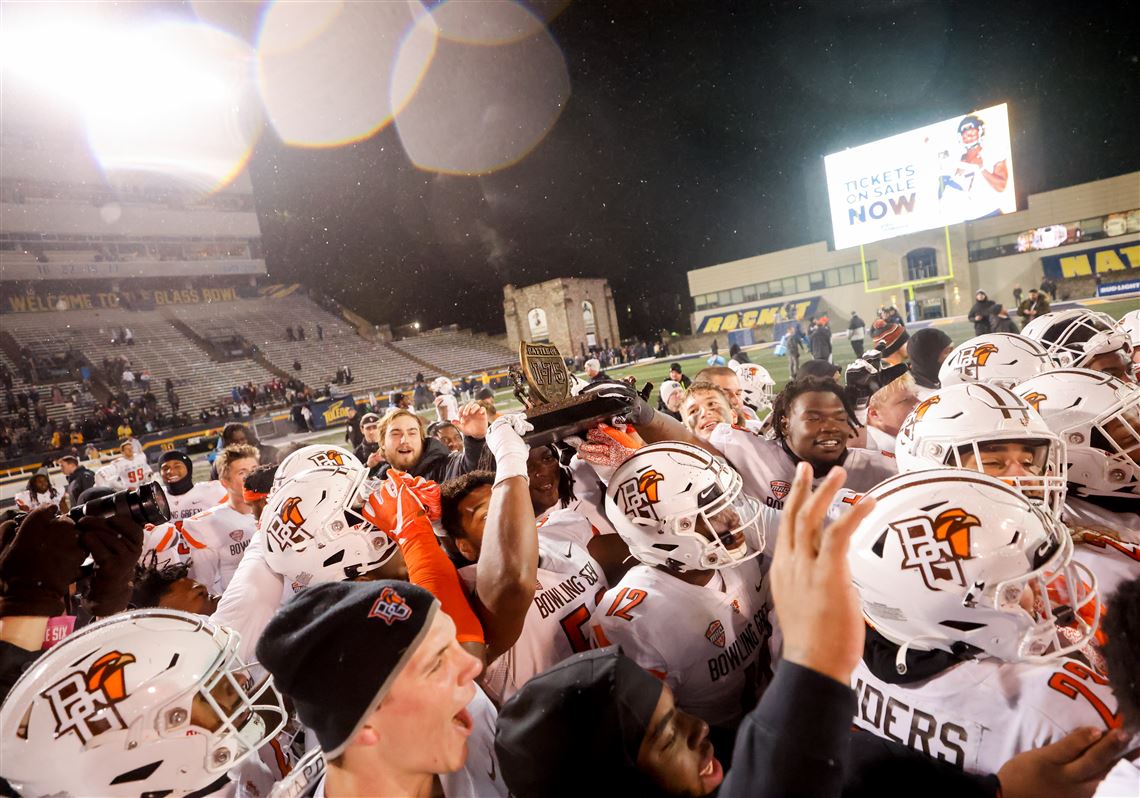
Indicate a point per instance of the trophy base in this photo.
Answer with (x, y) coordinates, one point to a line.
(572, 416)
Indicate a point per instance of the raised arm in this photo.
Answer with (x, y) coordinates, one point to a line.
(508, 558)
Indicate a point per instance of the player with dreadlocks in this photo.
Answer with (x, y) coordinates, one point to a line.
(812, 419)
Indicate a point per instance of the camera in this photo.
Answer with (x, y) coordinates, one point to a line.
(145, 504)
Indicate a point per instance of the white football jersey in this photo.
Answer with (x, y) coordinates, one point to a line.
(768, 469)
(163, 539)
(1112, 561)
(1082, 513)
(570, 582)
(201, 496)
(480, 775)
(979, 714)
(709, 643)
(131, 473)
(215, 540)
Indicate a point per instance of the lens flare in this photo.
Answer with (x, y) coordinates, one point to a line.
(325, 69)
(481, 108)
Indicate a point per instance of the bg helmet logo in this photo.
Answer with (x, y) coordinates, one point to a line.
(390, 607)
(972, 358)
(1034, 400)
(916, 415)
(287, 527)
(638, 494)
(84, 701)
(936, 547)
(330, 458)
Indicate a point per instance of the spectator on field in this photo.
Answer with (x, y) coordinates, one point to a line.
(856, 332)
(980, 313)
(1034, 305)
(1003, 323)
(594, 372)
(677, 375)
(737, 354)
(1049, 286)
(79, 478)
(820, 340)
(368, 450)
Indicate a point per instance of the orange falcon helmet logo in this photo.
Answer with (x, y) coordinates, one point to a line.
(980, 354)
(647, 484)
(954, 527)
(84, 702)
(916, 415)
(1034, 400)
(936, 547)
(291, 512)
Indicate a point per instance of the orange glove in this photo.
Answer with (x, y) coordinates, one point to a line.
(394, 507)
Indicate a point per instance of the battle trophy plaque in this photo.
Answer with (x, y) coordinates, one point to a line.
(544, 386)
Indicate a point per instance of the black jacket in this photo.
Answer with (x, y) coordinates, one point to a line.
(364, 450)
(985, 309)
(821, 343)
(78, 481)
(438, 464)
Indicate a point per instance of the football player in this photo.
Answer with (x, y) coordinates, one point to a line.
(973, 605)
(705, 406)
(490, 516)
(216, 538)
(728, 380)
(812, 419)
(1130, 325)
(185, 498)
(1098, 416)
(147, 702)
(695, 609)
(131, 469)
(1081, 338)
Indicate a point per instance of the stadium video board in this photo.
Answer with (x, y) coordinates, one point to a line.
(945, 173)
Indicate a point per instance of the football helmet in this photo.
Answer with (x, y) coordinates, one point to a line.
(442, 385)
(1129, 324)
(958, 561)
(315, 456)
(148, 702)
(756, 385)
(1075, 336)
(676, 505)
(1098, 417)
(314, 533)
(997, 359)
(959, 425)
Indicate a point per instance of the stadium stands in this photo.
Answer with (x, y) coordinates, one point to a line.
(457, 353)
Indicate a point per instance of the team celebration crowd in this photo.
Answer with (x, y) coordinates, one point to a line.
(920, 574)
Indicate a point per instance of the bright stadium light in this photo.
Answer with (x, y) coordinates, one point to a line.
(172, 98)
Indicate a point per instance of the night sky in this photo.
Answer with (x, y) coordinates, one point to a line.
(695, 134)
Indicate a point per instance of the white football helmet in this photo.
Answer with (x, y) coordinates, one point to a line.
(676, 505)
(148, 702)
(961, 562)
(997, 359)
(314, 533)
(315, 456)
(1075, 336)
(1129, 324)
(963, 425)
(442, 385)
(1098, 417)
(756, 384)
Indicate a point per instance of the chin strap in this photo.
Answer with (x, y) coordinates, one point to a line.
(900, 656)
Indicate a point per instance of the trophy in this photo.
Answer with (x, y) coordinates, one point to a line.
(543, 385)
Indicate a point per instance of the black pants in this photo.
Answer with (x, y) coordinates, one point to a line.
(857, 347)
